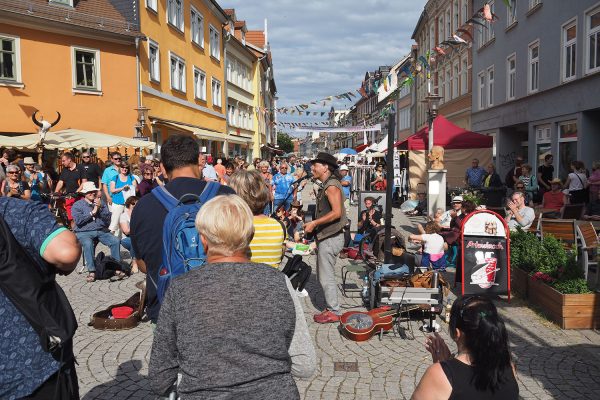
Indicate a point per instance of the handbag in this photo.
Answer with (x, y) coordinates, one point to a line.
(579, 196)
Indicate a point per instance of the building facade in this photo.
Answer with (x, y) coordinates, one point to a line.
(77, 58)
(536, 74)
(450, 72)
(183, 68)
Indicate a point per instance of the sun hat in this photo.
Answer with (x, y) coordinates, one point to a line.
(28, 160)
(343, 167)
(556, 180)
(326, 158)
(457, 199)
(89, 187)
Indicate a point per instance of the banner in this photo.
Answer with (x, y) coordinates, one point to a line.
(485, 246)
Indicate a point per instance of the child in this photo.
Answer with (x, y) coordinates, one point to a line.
(433, 243)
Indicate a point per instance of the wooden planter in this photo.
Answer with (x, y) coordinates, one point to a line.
(569, 311)
(519, 280)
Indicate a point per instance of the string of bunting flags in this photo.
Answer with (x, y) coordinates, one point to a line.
(301, 108)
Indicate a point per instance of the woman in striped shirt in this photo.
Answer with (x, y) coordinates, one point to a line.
(267, 244)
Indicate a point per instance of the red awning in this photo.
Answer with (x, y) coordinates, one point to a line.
(361, 147)
(447, 135)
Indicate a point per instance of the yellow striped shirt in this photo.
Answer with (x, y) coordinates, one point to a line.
(266, 246)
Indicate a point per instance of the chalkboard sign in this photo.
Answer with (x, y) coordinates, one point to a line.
(485, 246)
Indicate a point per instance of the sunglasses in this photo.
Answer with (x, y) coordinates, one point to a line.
(117, 159)
(520, 187)
(85, 156)
(13, 172)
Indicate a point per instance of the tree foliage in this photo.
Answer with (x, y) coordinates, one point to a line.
(285, 142)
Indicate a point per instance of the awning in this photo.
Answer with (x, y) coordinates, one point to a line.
(239, 139)
(73, 138)
(198, 132)
(361, 147)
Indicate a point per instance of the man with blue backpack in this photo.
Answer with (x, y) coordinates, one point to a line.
(163, 234)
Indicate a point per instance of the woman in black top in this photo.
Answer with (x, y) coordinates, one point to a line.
(482, 368)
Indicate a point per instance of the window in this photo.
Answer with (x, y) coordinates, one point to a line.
(511, 76)
(533, 77)
(215, 43)
(567, 147)
(152, 4)
(216, 92)
(455, 16)
(441, 36)
(455, 76)
(230, 114)
(441, 86)
(199, 84)
(153, 61)
(64, 2)
(481, 80)
(569, 53)
(404, 91)
(486, 34)
(177, 73)
(87, 69)
(533, 3)
(490, 86)
(511, 13)
(464, 14)
(464, 76)
(593, 40)
(543, 143)
(175, 13)
(10, 60)
(448, 24)
(432, 36)
(404, 118)
(447, 84)
(229, 68)
(197, 26)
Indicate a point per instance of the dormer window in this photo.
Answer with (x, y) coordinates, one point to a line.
(63, 2)
(243, 38)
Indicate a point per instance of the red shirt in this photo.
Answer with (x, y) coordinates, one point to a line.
(554, 200)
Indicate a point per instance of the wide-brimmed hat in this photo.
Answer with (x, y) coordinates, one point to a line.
(556, 180)
(88, 187)
(326, 158)
(457, 199)
(343, 167)
(28, 160)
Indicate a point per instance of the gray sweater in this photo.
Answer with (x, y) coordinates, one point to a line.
(232, 331)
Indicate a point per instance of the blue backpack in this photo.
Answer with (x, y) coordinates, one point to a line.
(182, 249)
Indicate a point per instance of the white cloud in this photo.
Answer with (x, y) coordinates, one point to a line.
(323, 48)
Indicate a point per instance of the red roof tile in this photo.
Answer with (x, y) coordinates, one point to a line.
(257, 38)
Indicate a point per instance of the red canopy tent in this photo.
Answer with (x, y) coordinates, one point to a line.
(460, 146)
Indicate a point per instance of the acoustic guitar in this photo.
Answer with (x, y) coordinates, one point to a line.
(360, 326)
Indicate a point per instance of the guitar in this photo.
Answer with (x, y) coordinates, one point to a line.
(360, 326)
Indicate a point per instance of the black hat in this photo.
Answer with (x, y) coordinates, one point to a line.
(326, 158)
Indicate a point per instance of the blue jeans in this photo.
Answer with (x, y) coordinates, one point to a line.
(126, 242)
(87, 244)
(286, 205)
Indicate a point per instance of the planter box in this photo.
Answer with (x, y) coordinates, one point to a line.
(569, 311)
(519, 280)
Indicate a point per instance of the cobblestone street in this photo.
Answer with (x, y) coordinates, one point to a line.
(551, 363)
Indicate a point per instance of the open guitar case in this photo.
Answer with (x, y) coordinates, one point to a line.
(103, 319)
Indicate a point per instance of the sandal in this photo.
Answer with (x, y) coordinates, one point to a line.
(91, 277)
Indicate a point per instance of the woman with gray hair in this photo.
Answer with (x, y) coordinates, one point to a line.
(13, 185)
(231, 328)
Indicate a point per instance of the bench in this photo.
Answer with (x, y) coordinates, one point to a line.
(562, 229)
(535, 225)
(589, 249)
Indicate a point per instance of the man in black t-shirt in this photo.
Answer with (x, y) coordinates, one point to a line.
(91, 170)
(70, 180)
(546, 174)
(179, 160)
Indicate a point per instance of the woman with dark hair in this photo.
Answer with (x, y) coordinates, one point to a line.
(482, 367)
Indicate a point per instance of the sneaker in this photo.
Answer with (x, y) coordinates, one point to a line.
(326, 317)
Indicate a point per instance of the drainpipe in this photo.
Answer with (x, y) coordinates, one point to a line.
(137, 72)
(226, 85)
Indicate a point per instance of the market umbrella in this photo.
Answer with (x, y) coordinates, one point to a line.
(348, 151)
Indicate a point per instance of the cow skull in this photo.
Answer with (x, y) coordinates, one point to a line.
(43, 124)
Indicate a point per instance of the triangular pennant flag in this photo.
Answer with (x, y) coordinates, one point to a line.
(322, 113)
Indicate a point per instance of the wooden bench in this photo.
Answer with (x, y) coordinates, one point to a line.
(535, 225)
(562, 229)
(589, 249)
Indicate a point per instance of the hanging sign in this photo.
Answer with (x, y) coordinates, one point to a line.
(485, 242)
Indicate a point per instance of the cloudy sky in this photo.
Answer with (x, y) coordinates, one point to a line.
(323, 48)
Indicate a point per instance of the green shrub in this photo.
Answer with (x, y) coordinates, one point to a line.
(571, 286)
(554, 256)
(525, 248)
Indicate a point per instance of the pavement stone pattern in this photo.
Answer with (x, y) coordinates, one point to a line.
(551, 363)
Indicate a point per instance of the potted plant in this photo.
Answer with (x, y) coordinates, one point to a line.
(552, 280)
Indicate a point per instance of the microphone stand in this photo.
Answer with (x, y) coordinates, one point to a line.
(294, 185)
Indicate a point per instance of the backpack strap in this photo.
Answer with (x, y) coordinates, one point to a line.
(165, 198)
(210, 191)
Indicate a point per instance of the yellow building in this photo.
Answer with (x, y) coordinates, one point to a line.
(182, 70)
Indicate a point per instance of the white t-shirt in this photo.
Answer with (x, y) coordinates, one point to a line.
(434, 243)
(577, 180)
(125, 218)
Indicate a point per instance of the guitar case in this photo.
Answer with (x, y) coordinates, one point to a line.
(103, 320)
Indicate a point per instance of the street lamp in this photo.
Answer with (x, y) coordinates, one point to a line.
(432, 100)
(142, 117)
